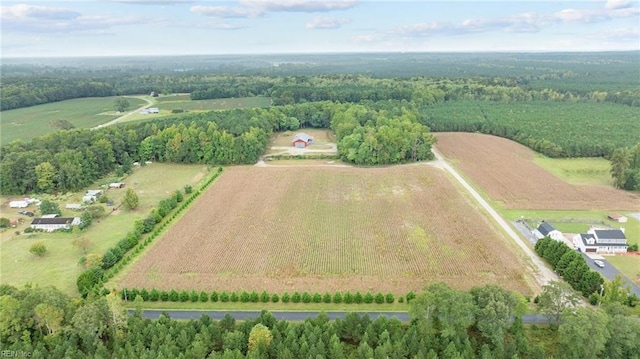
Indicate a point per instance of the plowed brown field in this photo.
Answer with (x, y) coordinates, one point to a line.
(506, 171)
(325, 229)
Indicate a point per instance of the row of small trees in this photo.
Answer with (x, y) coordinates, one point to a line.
(571, 265)
(155, 295)
(116, 258)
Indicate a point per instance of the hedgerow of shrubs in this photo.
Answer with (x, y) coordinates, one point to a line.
(91, 278)
(264, 297)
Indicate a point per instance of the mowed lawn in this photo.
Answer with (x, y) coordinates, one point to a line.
(60, 266)
(185, 103)
(29, 122)
(592, 171)
(331, 228)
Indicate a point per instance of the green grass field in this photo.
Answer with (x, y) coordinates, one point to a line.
(59, 267)
(576, 221)
(29, 122)
(628, 265)
(166, 105)
(180, 102)
(594, 171)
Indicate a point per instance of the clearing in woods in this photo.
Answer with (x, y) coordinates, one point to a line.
(329, 228)
(506, 171)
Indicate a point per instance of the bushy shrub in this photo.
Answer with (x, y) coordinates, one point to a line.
(204, 297)
(306, 297)
(234, 297)
(184, 296)
(317, 298)
(348, 298)
(174, 296)
(264, 297)
(368, 298)
(254, 297)
(379, 298)
(357, 298)
(295, 297)
(224, 297)
(214, 296)
(285, 297)
(164, 296)
(244, 297)
(275, 298)
(411, 296)
(154, 295)
(337, 298)
(389, 298)
(326, 298)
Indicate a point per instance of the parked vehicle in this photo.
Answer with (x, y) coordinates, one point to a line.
(599, 263)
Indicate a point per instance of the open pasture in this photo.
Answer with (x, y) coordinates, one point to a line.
(327, 229)
(185, 103)
(506, 171)
(60, 267)
(29, 122)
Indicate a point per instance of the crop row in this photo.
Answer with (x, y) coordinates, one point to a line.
(155, 295)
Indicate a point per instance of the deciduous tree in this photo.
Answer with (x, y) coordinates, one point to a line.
(556, 297)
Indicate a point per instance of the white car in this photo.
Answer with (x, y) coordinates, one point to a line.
(599, 263)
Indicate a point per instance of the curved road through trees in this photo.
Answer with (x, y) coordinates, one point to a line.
(544, 274)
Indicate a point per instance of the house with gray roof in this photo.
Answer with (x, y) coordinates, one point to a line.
(605, 241)
(545, 229)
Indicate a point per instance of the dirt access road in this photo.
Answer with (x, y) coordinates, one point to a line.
(544, 274)
(115, 120)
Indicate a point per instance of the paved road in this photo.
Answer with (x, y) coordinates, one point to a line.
(115, 120)
(544, 274)
(293, 316)
(610, 272)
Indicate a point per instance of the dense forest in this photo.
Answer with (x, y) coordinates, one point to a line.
(484, 322)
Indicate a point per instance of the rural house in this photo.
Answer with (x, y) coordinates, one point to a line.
(91, 195)
(52, 224)
(302, 140)
(601, 241)
(545, 229)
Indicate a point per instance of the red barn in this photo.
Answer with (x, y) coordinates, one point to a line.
(302, 140)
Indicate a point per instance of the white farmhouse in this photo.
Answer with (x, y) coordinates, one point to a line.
(545, 229)
(52, 224)
(596, 240)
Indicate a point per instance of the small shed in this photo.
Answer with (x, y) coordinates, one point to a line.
(73, 206)
(116, 185)
(18, 204)
(91, 195)
(617, 217)
(302, 140)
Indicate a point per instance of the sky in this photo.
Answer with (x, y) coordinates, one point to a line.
(204, 27)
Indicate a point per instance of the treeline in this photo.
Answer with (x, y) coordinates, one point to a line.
(484, 322)
(101, 268)
(70, 160)
(29, 90)
(367, 137)
(625, 167)
(173, 295)
(573, 268)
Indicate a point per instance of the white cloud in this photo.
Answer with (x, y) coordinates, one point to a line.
(44, 19)
(617, 4)
(326, 23)
(23, 11)
(620, 34)
(299, 5)
(255, 8)
(154, 2)
(225, 11)
(525, 22)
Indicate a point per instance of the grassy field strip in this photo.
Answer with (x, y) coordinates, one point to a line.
(593, 171)
(29, 122)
